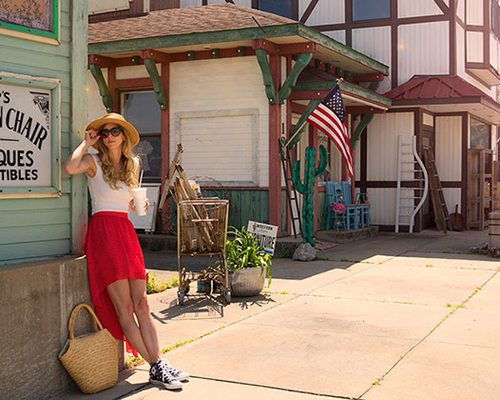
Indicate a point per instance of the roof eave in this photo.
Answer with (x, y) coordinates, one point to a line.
(267, 32)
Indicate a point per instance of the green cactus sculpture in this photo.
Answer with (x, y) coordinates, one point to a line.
(307, 188)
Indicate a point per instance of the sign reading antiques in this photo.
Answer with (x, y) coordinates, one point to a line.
(25, 136)
(265, 235)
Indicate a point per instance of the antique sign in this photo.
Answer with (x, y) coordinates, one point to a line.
(30, 17)
(265, 234)
(29, 137)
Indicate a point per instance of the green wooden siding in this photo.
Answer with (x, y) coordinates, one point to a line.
(40, 228)
(244, 205)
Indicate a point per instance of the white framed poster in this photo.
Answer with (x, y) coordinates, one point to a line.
(29, 136)
(148, 221)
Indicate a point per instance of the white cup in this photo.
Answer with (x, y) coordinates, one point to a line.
(140, 196)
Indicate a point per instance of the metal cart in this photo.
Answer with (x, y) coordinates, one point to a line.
(202, 231)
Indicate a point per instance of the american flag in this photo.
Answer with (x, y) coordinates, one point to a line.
(329, 116)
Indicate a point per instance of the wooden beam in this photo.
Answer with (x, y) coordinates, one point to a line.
(104, 91)
(297, 108)
(296, 48)
(367, 78)
(291, 80)
(356, 110)
(266, 45)
(154, 55)
(101, 61)
(134, 83)
(161, 96)
(267, 76)
(308, 94)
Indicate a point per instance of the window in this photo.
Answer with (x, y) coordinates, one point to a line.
(495, 17)
(479, 135)
(143, 111)
(370, 9)
(285, 8)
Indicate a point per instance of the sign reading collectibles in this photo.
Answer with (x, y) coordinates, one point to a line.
(27, 145)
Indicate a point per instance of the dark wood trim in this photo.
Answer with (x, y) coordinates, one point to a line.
(454, 100)
(296, 107)
(453, 36)
(394, 46)
(474, 28)
(134, 83)
(451, 184)
(308, 11)
(465, 171)
(347, 26)
(442, 5)
(388, 184)
(379, 23)
(363, 162)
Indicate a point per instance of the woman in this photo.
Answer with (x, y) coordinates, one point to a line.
(116, 270)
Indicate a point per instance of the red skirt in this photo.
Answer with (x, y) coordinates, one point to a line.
(113, 253)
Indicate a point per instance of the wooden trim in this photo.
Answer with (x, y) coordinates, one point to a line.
(385, 22)
(465, 170)
(348, 23)
(444, 8)
(134, 83)
(394, 47)
(308, 11)
(296, 107)
(363, 160)
(453, 36)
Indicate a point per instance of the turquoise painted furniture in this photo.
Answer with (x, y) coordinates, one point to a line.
(357, 213)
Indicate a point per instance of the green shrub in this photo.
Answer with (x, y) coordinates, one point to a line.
(156, 285)
(244, 251)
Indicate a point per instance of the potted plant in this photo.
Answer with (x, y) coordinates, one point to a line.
(248, 264)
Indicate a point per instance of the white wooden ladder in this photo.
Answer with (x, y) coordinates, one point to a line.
(409, 200)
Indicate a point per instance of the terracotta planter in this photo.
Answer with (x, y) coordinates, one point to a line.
(247, 282)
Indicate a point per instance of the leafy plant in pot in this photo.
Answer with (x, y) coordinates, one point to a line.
(248, 263)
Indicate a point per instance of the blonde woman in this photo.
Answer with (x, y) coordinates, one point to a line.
(117, 275)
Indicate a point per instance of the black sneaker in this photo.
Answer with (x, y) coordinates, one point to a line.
(160, 375)
(177, 374)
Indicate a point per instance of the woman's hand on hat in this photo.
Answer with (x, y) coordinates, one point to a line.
(91, 137)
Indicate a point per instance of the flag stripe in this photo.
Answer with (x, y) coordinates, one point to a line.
(336, 126)
(329, 117)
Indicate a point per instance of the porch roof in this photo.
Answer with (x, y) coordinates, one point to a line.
(444, 94)
(219, 26)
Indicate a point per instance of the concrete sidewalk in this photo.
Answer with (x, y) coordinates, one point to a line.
(390, 317)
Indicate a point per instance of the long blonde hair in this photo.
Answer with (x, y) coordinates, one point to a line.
(127, 164)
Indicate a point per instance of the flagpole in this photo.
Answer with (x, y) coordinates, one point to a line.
(338, 81)
(295, 134)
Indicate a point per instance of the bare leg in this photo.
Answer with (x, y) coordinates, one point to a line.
(141, 309)
(119, 292)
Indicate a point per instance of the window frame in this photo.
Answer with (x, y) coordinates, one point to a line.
(123, 93)
(295, 8)
(370, 19)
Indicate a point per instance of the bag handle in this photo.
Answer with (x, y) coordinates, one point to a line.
(74, 314)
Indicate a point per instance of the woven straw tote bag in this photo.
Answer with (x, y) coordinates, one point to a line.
(92, 359)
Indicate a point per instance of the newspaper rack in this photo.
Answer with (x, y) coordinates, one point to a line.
(202, 231)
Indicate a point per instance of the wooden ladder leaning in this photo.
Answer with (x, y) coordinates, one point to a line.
(291, 193)
(436, 192)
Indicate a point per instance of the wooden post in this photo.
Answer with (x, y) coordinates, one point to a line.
(165, 139)
(78, 120)
(274, 160)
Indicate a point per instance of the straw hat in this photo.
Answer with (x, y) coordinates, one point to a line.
(118, 119)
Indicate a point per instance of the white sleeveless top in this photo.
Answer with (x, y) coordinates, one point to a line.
(104, 198)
